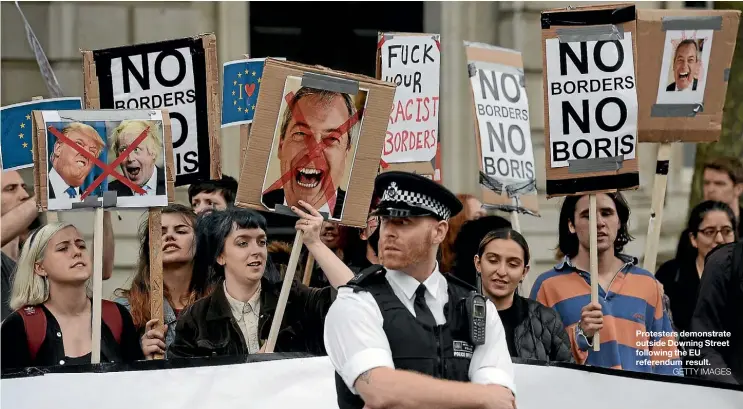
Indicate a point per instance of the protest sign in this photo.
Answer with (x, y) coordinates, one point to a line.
(507, 170)
(413, 63)
(326, 154)
(685, 57)
(591, 99)
(17, 130)
(179, 75)
(102, 158)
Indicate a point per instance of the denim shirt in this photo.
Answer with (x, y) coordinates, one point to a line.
(168, 316)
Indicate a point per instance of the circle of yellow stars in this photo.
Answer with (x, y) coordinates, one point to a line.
(234, 83)
(21, 135)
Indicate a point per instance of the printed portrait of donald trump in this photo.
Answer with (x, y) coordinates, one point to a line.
(68, 167)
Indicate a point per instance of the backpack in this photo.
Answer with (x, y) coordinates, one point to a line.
(34, 321)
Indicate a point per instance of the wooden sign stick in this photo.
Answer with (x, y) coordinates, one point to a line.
(515, 216)
(656, 212)
(308, 268)
(97, 285)
(156, 269)
(284, 296)
(594, 257)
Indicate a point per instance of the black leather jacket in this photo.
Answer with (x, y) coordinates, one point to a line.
(208, 327)
(540, 334)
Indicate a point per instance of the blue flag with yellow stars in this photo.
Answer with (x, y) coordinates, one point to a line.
(17, 127)
(241, 82)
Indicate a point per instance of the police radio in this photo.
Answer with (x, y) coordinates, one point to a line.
(476, 314)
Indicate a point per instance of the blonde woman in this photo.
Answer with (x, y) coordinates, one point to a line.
(51, 324)
(144, 164)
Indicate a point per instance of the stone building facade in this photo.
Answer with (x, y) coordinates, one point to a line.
(263, 29)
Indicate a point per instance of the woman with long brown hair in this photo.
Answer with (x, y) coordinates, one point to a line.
(472, 210)
(182, 285)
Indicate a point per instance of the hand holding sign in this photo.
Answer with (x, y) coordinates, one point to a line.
(310, 222)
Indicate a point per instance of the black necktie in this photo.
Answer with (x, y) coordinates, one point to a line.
(422, 312)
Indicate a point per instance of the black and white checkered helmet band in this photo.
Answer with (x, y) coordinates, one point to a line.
(395, 194)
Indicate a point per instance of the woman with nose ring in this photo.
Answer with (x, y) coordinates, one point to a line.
(533, 331)
(182, 284)
(235, 319)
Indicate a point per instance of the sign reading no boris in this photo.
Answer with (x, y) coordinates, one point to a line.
(592, 100)
(170, 75)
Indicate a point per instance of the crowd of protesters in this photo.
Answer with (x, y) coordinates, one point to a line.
(222, 277)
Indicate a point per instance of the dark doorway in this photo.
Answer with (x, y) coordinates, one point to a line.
(337, 35)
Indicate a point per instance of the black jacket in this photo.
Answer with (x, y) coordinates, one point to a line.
(719, 308)
(208, 327)
(124, 190)
(8, 271)
(540, 334)
(672, 86)
(274, 197)
(15, 352)
(681, 284)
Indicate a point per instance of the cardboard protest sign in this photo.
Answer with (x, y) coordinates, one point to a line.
(17, 130)
(590, 97)
(413, 63)
(179, 75)
(685, 57)
(316, 136)
(503, 133)
(240, 89)
(103, 158)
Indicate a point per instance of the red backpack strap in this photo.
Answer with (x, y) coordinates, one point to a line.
(34, 322)
(112, 317)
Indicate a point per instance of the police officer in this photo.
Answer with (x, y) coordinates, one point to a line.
(405, 335)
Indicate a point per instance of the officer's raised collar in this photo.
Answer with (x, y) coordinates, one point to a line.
(410, 284)
(567, 263)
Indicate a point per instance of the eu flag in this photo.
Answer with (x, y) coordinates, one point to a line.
(241, 82)
(17, 127)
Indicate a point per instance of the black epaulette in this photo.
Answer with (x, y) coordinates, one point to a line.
(365, 276)
(458, 281)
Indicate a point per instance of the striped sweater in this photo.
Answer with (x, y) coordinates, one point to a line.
(637, 333)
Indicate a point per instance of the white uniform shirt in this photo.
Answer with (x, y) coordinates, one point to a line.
(356, 342)
(59, 186)
(246, 314)
(150, 188)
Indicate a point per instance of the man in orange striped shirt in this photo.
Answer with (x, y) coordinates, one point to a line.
(635, 331)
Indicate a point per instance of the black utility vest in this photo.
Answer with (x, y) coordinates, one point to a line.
(443, 352)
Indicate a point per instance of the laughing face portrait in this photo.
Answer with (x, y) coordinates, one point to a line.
(314, 148)
(683, 73)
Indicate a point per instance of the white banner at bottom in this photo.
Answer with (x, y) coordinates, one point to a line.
(308, 383)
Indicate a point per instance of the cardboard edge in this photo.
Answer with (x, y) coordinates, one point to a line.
(213, 103)
(365, 79)
(91, 96)
(40, 161)
(169, 155)
(378, 92)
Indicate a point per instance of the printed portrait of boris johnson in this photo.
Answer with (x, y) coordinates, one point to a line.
(144, 164)
(314, 147)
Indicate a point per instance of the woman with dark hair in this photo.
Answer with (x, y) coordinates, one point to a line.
(235, 319)
(182, 284)
(472, 210)
(465, 246)
(710, 225)
(533, 331)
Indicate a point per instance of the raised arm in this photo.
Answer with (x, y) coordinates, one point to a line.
(17, 220)
(310, 222)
